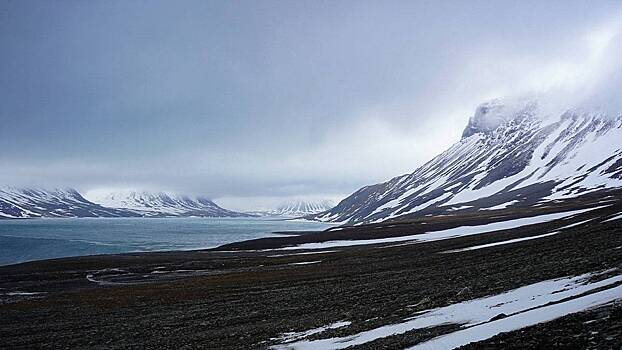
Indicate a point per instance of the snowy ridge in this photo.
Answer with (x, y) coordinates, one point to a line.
(508, 157)
(36, 203)
(297, 208)
(152, 204)
(301, 207)
(22, 203)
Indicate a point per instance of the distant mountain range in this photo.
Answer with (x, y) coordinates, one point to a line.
(156, 204)
(298, 208)
(301, 207)
(510, 155)
(57, 203)
(32, 203)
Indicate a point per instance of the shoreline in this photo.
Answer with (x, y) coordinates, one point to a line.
(32, 239)
(251, 294)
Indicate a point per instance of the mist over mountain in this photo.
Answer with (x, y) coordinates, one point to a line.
(509, 156)
(239, 115)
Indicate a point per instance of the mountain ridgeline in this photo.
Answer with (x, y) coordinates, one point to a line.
(296, 208)
(509, 156)
(158, 204)
(58, 203)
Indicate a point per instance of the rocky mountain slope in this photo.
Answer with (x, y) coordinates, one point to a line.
(160, 204)
(510, 155)
(33, 203)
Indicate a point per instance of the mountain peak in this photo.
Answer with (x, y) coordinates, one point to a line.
(522, 154)
(490, 115)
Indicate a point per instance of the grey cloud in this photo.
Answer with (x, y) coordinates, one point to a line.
(269, 99)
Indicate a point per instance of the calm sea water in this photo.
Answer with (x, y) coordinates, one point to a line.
(35, 239)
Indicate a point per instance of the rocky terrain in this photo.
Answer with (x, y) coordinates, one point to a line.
(282, 293)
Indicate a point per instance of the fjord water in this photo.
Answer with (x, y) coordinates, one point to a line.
(35, 239)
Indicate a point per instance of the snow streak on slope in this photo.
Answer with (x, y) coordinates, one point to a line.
(495, 244)
(33, 203)
(517, 157)
(301, 207)
(161, 204)
(444, 234)
(521, 307)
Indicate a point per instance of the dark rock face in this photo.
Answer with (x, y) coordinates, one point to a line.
(509, 156)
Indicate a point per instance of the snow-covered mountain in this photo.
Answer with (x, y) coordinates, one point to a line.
(509, 156)
(302, 207)
(295, 208)
(158, 204)
(34, 203)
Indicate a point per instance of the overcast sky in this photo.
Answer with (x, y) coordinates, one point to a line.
(249, 102)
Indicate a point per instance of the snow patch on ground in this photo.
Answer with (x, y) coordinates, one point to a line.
(521, 307)
(510, 241)
(303, 253)
(501, 206)
(617, 217)
(521, 320)
(292, 336)
(19, 294)
(306, 262)
(444, 234)
(575, 224)
(460, 207)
